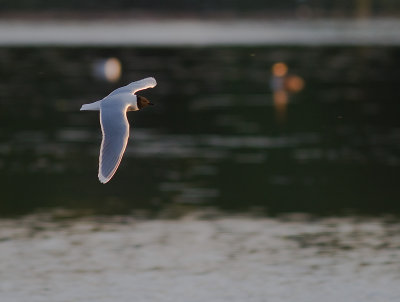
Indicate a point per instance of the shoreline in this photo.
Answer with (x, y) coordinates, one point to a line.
(200, 32)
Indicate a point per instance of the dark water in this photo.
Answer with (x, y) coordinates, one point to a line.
(220, 133)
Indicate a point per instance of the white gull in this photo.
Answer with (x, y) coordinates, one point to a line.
(114, 123)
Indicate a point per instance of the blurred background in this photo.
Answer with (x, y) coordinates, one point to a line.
(267, 106)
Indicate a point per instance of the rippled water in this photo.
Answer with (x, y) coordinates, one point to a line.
(224, 131)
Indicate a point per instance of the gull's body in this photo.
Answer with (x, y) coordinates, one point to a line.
(114, 124)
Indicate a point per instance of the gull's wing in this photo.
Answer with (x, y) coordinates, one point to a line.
(136, 86)
(115, 129)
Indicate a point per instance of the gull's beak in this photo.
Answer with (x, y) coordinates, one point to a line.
(151, 104)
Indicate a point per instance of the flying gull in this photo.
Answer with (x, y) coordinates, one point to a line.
(114, 124)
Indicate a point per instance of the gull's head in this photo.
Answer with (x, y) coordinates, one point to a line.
(142, 102)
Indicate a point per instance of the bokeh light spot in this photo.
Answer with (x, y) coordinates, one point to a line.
(279, 69)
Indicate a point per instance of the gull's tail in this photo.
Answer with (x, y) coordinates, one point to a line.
(91, 106)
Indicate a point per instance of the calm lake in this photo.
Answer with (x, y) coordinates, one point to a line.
(278, 129)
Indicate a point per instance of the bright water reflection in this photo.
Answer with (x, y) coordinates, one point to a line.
(215, 136)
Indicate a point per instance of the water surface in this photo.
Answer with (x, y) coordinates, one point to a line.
(224, 131)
